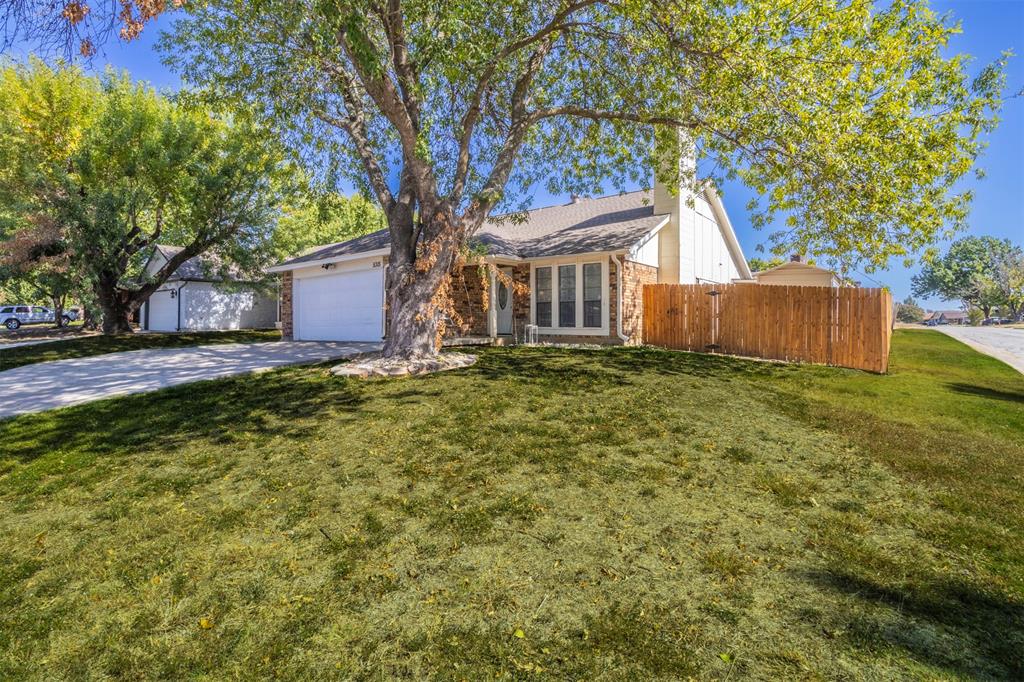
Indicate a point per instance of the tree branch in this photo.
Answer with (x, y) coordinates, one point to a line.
(473, 112)
(520, 124)
(354, 125)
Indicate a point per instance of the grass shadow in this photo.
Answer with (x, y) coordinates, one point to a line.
(986, 392)
(614, 364)
(89, 346)
(219, 411)
(988, 626)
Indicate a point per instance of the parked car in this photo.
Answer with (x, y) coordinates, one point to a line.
(13, 316)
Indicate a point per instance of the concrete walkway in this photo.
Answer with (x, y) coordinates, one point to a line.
(1002, 343)
(47, 385)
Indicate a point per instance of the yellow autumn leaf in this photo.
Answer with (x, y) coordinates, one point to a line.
(520, 634)
(205, 623)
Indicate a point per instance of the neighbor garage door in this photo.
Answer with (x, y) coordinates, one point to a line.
(163, 311)
(344, 306)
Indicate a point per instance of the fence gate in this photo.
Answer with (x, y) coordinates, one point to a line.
(848, 327)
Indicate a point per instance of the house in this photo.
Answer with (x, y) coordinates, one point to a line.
(195, 299)
(583, 265)
(946, 317)
(798, 273)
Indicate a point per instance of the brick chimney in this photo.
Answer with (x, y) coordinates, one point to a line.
(796, 258)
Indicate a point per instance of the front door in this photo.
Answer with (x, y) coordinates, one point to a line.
(503, 302)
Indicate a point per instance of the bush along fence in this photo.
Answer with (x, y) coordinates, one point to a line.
(845, 327)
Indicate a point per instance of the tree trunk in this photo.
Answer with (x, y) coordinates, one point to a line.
(116, 305)
(117, 320)
(58, 312)
(418, 296)
(413, 319)
(88, 318)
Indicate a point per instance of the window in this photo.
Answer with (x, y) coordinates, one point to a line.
(37, 309)
(543, 295)
(571, 297)
(566, 295)
(7, 310)
(22, 309)
(592, 294)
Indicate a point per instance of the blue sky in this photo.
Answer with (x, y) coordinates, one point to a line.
(989, 27)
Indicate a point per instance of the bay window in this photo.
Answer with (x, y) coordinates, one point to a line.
(570, 296)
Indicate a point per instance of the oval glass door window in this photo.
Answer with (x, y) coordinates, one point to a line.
(502, 295)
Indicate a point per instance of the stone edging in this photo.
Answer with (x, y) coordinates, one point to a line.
(372, 365)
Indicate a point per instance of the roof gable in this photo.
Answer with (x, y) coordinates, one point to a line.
(202, 268)
(612, 223)
(792, 265)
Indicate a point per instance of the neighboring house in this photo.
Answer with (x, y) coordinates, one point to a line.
(798, 273)
(946, 317)
(583, 265)
(196, 299)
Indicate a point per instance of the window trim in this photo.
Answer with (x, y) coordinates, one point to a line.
(579, 262)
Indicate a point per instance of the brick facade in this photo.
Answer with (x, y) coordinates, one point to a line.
(467, 295)
(468, 298)
(634, 277)
(287, 327)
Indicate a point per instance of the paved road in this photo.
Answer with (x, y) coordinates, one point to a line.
(46, 385)
(1000, 342)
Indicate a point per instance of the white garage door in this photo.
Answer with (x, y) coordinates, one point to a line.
(163, 312)
(346, 306)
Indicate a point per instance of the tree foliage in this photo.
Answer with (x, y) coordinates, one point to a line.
(971, 271)
(134, 170)
(758, 264)
(909, 311)
(75, 26)
(325, 218)
(42, 119)
(1008, 279)
(845, 115)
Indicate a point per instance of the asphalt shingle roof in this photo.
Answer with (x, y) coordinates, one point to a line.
(611, 223)
(203, 268)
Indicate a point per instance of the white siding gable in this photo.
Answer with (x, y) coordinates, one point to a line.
(646, 250)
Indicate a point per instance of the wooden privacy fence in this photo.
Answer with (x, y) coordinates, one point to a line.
(846, 327)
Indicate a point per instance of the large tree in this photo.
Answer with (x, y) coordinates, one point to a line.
(136, 171)
(43, 114)
(843, 114)
(967, 272)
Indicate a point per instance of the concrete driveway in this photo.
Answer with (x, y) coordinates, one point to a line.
(46, 385)
(1002, 343)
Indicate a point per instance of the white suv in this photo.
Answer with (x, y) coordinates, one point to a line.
(13, 316)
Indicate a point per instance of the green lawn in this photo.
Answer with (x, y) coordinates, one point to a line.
(618, 514)
(99, 345)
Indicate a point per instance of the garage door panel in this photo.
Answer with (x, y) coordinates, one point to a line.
(345, 306)
(163, 311)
